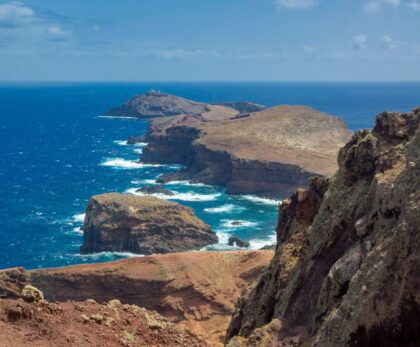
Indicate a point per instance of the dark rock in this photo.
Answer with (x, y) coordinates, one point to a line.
(142, 224)
(132, 140)
(155, 190)
(157, 104)
(234, 240)
(346, 267)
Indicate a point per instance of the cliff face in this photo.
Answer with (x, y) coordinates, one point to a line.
(144, 225)
(346, 267)
(270, 153)
(197, 290)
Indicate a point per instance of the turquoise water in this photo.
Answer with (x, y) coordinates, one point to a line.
(56, 153)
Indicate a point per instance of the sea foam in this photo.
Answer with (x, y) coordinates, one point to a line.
(120, 163)
(79, 218)
(260, 200)
(115, 117)
(236, 223)
(222, 209)
(121, 142)
(188, 196)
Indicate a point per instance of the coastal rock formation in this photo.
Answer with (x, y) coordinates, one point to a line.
(157, 104)
(346, 267)
(269, 153)
(87, 323)
(238, 242)
(196, 290)
(142, 224)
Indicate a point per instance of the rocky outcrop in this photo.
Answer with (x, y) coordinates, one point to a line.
(196, 290)
(238, 242)
(346, 267)
(68, 324)
(269, 153)
(158, 189)
(133, 140)
(142, 224)
(157, 104)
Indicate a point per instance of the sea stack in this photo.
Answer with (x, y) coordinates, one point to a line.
(143, 225)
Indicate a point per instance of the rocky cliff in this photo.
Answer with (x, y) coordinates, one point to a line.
(196, 291)
(346, 267)
(28, 320)
(271, 152)
(144, 225)
(155, 104)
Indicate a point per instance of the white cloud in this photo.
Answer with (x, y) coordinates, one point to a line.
(388, 42)
(12, 14)
(19, 22)
(413, 5)
(296, 4)
(360, 42)
(375, 6)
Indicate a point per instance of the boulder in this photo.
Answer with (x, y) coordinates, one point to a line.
(32, 294)
(235, 240)
(155, 190)
(143, 225)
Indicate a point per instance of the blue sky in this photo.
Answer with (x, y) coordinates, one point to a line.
(210, 40)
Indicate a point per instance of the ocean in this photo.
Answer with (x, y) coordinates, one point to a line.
(56, 153)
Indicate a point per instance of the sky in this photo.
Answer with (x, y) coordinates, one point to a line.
(210, 40)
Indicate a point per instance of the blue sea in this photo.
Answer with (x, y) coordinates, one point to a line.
(56, 153)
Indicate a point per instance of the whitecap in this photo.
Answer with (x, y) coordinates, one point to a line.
(188, 196)
(260, 200)
(222, 209)
(121, 142)
(237, 223)
(120, 163)
(78, 230)
(79, 218)
(145, 181)
(115, 117)
(260, 243)
(100, 255)
(140, 144)
(186, 183)
(138, 150)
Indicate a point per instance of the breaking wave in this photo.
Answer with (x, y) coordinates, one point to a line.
(260, 200)
(120, 163)
(188, 196)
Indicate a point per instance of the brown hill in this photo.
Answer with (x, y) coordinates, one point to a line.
(197, 290)
(271, 152)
